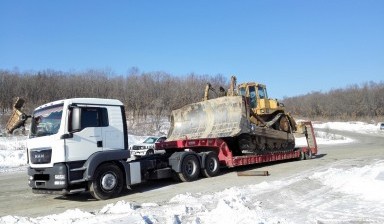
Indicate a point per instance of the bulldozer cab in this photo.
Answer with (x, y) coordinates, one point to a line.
(258, 97)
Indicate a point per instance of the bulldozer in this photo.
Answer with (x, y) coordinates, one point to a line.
(243, 115)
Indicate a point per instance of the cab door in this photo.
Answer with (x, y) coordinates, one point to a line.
(262, 98)
(88, 139)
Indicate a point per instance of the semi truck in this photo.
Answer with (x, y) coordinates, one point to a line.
(81, 144)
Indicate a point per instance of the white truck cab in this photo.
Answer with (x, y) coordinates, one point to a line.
(70, 138)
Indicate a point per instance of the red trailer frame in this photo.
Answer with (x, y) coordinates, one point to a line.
(226, 157)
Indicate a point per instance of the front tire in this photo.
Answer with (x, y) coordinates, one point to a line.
(190, 168)
(107, 182)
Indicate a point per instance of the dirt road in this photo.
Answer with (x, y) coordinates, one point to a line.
(17, 199)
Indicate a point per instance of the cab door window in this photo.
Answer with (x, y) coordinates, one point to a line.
(262, 93)
(242, 91)
(94, 117)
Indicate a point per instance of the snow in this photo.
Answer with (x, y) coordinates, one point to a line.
(350, 192)
(363, 182)
(359, 127)
(12, 154)
(343, 195)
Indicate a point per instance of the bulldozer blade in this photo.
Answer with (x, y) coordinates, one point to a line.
(216, 118)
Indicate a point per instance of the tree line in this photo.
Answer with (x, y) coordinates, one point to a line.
(150, 96)
(355, 102)
(146, 95)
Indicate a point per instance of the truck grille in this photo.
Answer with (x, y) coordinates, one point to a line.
(41, 156)
(135, 147)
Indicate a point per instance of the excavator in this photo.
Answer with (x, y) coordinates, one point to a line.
(18, 117)
(243, 116)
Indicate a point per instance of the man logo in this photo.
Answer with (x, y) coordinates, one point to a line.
(39, 156)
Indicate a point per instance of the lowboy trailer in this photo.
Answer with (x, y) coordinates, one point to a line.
(223, 151)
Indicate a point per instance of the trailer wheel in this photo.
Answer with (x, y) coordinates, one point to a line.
(302, 155)
(211, 165)
(190, 168)
(107, 182)
(308, 154)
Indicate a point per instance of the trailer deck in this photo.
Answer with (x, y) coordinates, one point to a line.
(225, 154)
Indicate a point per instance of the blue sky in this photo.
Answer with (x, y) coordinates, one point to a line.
(292, 46)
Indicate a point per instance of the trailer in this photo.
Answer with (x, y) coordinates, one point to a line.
(81, 144)
(214, 153)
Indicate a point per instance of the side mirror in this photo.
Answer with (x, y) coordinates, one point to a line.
(75, 120)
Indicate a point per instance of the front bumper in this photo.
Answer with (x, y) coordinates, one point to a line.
(51, 178)
(141, 152)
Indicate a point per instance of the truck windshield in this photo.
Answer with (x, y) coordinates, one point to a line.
(46, 121)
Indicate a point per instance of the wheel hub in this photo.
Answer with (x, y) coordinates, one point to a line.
(108, 182)
(212, 165)
(189, 168)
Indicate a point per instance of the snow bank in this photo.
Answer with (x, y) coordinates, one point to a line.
(337, 194)
(324, 138)
(365, 182)
(233, 205)
(13, 155)
(359, 127)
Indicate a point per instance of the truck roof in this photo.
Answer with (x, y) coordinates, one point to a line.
(98, 101)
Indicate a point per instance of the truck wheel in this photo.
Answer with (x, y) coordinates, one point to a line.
(211, 165)
(190, 168)
(107, 182)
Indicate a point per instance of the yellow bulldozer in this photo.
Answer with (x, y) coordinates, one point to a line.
(242, 115)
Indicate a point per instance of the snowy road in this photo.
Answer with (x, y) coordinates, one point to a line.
(295, 192)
